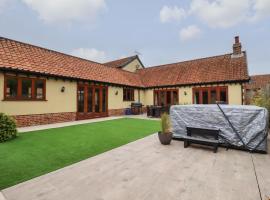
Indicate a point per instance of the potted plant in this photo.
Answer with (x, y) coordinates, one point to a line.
(165, 136)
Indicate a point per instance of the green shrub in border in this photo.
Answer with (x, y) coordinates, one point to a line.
(7, 128)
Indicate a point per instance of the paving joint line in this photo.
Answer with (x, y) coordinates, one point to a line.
(254, 168)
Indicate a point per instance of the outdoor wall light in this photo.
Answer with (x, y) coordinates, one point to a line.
(63, 89)
(185, 93)
(116, 93)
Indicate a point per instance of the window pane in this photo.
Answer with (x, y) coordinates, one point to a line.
(168, 96)
(104, 99)
(197, 97)
(39, 89)
(26, 88)
(213, 96)
(223, 96)
(97, 104)
(90, 100)
(175, 98)
(205, 97)
(11, 87)
(156, 98)
(162, 98)
(124, 94)
(128, 95)
(81, 99)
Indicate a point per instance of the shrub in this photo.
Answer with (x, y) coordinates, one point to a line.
(165, 123)
(262, 99)
(7, 128)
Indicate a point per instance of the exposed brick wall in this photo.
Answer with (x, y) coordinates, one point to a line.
(40, 119)
(115, 112)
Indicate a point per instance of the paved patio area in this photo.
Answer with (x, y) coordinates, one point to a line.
(144, 169)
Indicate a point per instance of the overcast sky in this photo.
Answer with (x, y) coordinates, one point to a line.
(163, 31)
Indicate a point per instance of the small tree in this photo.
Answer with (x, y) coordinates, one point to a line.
(7, 128)
(262, 99)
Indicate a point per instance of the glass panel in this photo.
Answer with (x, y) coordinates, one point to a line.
(90, 99)
(205, 97)
(197, 97)
(97, 97)
(39, 89)
(81, 99)
(104, 99)
(128, 94)
(156, 98)
(213, 96)
(168, 97)
(124, 94)
(26, 88)
(223, 96)
(175, 98)
(162, 98)
(11, 88)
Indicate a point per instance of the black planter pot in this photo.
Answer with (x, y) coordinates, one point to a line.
(165, 138)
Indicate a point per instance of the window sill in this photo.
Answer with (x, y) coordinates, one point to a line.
(25, 100)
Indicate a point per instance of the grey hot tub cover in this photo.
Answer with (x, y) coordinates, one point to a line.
(240, 125)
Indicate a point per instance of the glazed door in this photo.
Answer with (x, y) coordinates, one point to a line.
(92, 101)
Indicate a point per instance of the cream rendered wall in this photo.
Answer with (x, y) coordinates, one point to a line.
(133, 66)
(148, 97)
(56, 100)
(235, 94)
(185, 99)
(116, 101)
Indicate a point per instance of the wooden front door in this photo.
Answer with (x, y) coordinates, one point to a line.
(92, 101)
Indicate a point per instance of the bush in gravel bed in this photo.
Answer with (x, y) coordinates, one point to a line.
(7, 128)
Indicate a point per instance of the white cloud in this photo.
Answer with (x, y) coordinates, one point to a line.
(262, 9)
(221, 13)
(169, 14)
(66, 10)
(90, 54)
(190, 32)
(2, 4)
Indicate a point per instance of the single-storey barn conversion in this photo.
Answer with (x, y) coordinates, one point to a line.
(42, 86)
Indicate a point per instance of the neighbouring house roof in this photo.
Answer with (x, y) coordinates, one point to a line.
(16, 55)
(222, 68)
(120, 63)
(258, 81)
(20, 56)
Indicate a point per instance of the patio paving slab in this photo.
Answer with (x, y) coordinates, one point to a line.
(144, 169)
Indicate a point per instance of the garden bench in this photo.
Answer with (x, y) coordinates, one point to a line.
(202, 136)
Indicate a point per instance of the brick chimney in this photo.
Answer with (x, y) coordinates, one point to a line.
(237, 47)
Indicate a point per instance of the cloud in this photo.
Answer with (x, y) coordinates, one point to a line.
(2, 4)
(190, 32)
(90, 54)
(52, 11)
(262, 9)
(169, 14)
(221, 13)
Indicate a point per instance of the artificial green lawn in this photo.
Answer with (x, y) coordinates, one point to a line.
(39, 152)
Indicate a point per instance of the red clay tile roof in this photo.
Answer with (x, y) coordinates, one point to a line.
(258, 81)
(214, 69)
(120, 62)
(25, 57)
(20, 56)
